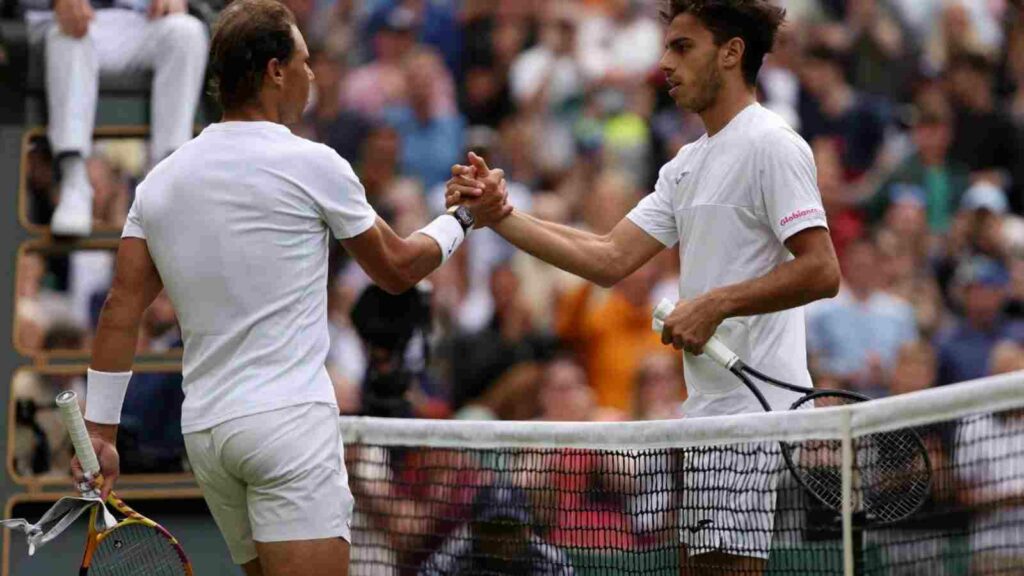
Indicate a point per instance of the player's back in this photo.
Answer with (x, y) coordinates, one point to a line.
(240, 240)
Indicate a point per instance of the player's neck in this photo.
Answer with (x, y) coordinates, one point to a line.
(252, 113)
(729, 104)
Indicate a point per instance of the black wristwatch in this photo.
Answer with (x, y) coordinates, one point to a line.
(464, 218)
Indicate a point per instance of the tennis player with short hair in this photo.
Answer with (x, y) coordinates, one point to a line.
(235, 225)
(743, 204)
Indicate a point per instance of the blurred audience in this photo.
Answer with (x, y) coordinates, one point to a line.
(914, 110)
(854, 338)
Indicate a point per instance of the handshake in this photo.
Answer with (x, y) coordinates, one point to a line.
(480, 189)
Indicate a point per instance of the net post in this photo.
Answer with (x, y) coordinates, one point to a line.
(847, 492)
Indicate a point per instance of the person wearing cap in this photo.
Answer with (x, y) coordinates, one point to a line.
(498, 540)
(381, 83)
(992, 228)
(965, 348)
(927, 172)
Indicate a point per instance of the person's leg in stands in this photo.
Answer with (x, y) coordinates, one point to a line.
(72, 85)
(176, 47)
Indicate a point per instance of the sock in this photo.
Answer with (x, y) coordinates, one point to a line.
(74, 181)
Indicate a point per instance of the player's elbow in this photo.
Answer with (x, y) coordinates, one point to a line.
(396, 284)
(829, 278)
(607, 267)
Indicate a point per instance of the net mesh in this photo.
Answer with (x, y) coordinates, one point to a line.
(713, 494)
(136, 550)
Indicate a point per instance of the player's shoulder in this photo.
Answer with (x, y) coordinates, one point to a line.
(681, 162)
(770, 133)
(318, 156)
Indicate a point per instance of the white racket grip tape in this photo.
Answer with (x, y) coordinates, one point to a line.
(714, 349)
(71, 414)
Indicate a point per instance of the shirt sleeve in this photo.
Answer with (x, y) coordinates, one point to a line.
(133, 224)
(655, 214)
(340, 197)
(789, 186)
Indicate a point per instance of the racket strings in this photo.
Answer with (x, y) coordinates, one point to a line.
(891, 477)
(136, 550)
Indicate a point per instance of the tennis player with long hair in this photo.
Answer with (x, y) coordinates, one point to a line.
(743, 205)
(235, 226)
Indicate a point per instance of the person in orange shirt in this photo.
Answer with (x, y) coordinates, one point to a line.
(611, 332)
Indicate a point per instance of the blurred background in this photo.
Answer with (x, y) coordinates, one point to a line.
(914, 110)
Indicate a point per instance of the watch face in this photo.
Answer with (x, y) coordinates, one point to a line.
(464, 216)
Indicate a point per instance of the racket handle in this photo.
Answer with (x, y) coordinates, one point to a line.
(714, 349)
(71, 414)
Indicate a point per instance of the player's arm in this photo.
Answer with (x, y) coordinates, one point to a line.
(394, 263)
(811, 275)
(136, 284)
(603, 259)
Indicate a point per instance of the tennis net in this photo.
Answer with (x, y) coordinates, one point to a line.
(455, 497)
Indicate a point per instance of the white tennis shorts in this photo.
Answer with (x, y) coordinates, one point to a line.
(273, 477)
(727, 499)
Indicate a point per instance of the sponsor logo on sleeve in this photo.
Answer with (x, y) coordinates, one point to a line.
(798, 215)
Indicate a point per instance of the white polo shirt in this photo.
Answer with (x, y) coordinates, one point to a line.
(731, 201)
(237, 222)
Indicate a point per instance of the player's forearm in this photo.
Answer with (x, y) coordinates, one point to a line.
(113, 349)
(584, 254)
(791, 284)
(417, 259)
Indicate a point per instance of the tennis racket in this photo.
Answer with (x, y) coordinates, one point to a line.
(892, 478)
(135, 546)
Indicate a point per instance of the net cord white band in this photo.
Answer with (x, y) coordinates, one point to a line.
(104, 395)
(988, 395)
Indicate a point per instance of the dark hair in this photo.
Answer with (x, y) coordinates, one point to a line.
(248, 35)
(829, 54)
(754, 21)
(973, 61)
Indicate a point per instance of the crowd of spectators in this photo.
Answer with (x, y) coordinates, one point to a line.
(914, 110)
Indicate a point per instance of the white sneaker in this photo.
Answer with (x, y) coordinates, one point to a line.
(73, 216)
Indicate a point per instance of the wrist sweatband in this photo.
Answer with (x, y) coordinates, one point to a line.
(447, 232)
(104, 395)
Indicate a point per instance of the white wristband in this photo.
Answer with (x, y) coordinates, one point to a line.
(104, 395)
(447, 232)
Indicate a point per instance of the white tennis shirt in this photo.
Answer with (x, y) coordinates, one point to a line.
(731, 201)
(237, 222)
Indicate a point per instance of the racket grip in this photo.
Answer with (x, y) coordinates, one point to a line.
(714, 349)
(71, 414)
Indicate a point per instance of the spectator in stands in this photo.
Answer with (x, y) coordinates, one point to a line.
(611, 331)
(620, 47)
(916, 368)
(837, 111)
(984, 137)
(565, 395)
(341, 129)
(41, 443)
(500, 540)
(381, 83)
(659, 391)
(927, 172)
(547, 83)
(878, 49)
(431, 134)
(479, 358)
(855, 337)
(965, 348)
(83, 42)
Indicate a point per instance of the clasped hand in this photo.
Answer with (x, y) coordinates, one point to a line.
(480, 189)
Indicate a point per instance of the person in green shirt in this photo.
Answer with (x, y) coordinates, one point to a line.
(927, 171)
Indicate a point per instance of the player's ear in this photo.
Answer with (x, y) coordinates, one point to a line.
(731, 52)
(275, 72)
